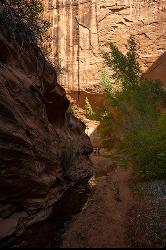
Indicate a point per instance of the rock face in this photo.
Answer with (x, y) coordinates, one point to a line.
(82, 28)
(43, 148)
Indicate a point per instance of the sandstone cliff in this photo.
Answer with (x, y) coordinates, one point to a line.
(43, 148)
(82, 28)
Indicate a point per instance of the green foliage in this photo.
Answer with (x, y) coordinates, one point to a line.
(30, 12)
(136, 126)
(147, 149)
(89, 111)
(126, 68)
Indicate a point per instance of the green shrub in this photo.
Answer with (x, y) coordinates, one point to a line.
(136, 125)
(147, 149)
(27, 19)
(89, 111)
(31, 13)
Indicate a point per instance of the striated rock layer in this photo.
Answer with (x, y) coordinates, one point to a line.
(43, 148)
(82, 28)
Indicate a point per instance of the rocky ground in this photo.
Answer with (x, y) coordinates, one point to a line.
(147, 216)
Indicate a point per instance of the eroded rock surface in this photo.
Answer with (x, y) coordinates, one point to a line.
(80, 29)
(43, 149)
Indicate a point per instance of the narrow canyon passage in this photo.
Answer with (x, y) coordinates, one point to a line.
(80, 78)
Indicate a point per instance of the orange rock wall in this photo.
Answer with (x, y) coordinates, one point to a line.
(81, 28)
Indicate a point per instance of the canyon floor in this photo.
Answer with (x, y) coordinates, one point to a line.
(117, 211)
(121, 211)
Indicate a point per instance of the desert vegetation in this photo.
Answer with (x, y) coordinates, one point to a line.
(25, 19)
(134, 117)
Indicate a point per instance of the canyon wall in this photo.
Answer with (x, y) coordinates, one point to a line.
(43, 148)
(81, 28)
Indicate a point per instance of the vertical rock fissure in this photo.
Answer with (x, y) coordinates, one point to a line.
(101, 23)
(78, 55)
